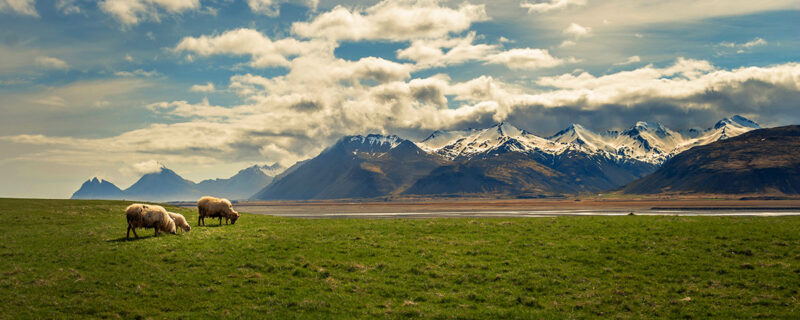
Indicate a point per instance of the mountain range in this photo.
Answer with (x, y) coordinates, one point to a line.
(500, 160)
(166, 185)
(762, 161)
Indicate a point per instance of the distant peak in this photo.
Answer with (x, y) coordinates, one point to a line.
(737, 120)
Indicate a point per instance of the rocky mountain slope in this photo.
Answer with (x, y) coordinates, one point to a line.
(760, 161)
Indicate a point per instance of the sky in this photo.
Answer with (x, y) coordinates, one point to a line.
(115, 88)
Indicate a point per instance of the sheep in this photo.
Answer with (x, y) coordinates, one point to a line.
(148, 216)
(180, 221)
(215, 208)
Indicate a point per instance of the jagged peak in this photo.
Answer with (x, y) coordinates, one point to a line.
(97, 180)
(738, 121)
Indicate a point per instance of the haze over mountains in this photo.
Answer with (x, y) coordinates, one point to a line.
(500, 160)
(166, 185)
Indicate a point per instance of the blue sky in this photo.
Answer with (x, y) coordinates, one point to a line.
(210, 87)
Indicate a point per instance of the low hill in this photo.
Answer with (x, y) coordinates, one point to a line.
(760, 161)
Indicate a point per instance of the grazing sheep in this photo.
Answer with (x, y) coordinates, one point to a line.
(180, 221)
(215, 208)
(148, 216)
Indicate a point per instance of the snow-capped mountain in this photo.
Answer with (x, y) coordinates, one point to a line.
(649, 142)
(579, 137)
(502, 136)
(355, 167)
(723, 129)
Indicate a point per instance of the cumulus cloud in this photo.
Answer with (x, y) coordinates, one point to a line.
(459, 50)
(208, 87)
(51, 63)
(742, 47)
(626, 14)
(392, 20)
(264, 52)
(272, 7)
(185, 110)
(22, 7)
(527, 58)
(131, 12)
(67, 7)
(577, 31)
(146, 167)
(631, 60)
(551, 5)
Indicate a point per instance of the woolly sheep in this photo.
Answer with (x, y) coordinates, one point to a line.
(180, 221)
(148, 216)
(215, 208)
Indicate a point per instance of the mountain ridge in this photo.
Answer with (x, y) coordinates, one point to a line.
(166, 185)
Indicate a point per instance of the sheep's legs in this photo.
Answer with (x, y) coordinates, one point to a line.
(156, 231)
(134, 232)
(220, 220)
(198, 221)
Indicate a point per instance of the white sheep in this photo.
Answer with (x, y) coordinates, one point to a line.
(148, 216)
(180, 221)
(215, 208)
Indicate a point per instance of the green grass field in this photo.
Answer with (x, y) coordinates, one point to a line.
(62, 258)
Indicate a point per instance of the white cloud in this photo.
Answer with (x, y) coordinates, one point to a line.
(567, 43)
(51, 63)
(271, 7)
(67, 7)
(392, 20)
(550, 5)
(626, 14)
(203, 110)
(137, 73)
(430, 52)
(739, 47)
(208, 87)
(631, 60)
(577, 30)
(750, 44)
(527, 58)
(263, 51)
(145, 167)
(23, 7)
(131, 12)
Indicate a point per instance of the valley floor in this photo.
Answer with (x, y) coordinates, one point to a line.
(70, 258)
(443, 208)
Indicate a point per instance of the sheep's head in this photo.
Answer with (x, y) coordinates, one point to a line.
(234, 216)
(186, 227)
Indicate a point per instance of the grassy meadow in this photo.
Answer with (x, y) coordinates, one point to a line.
(70, 258)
